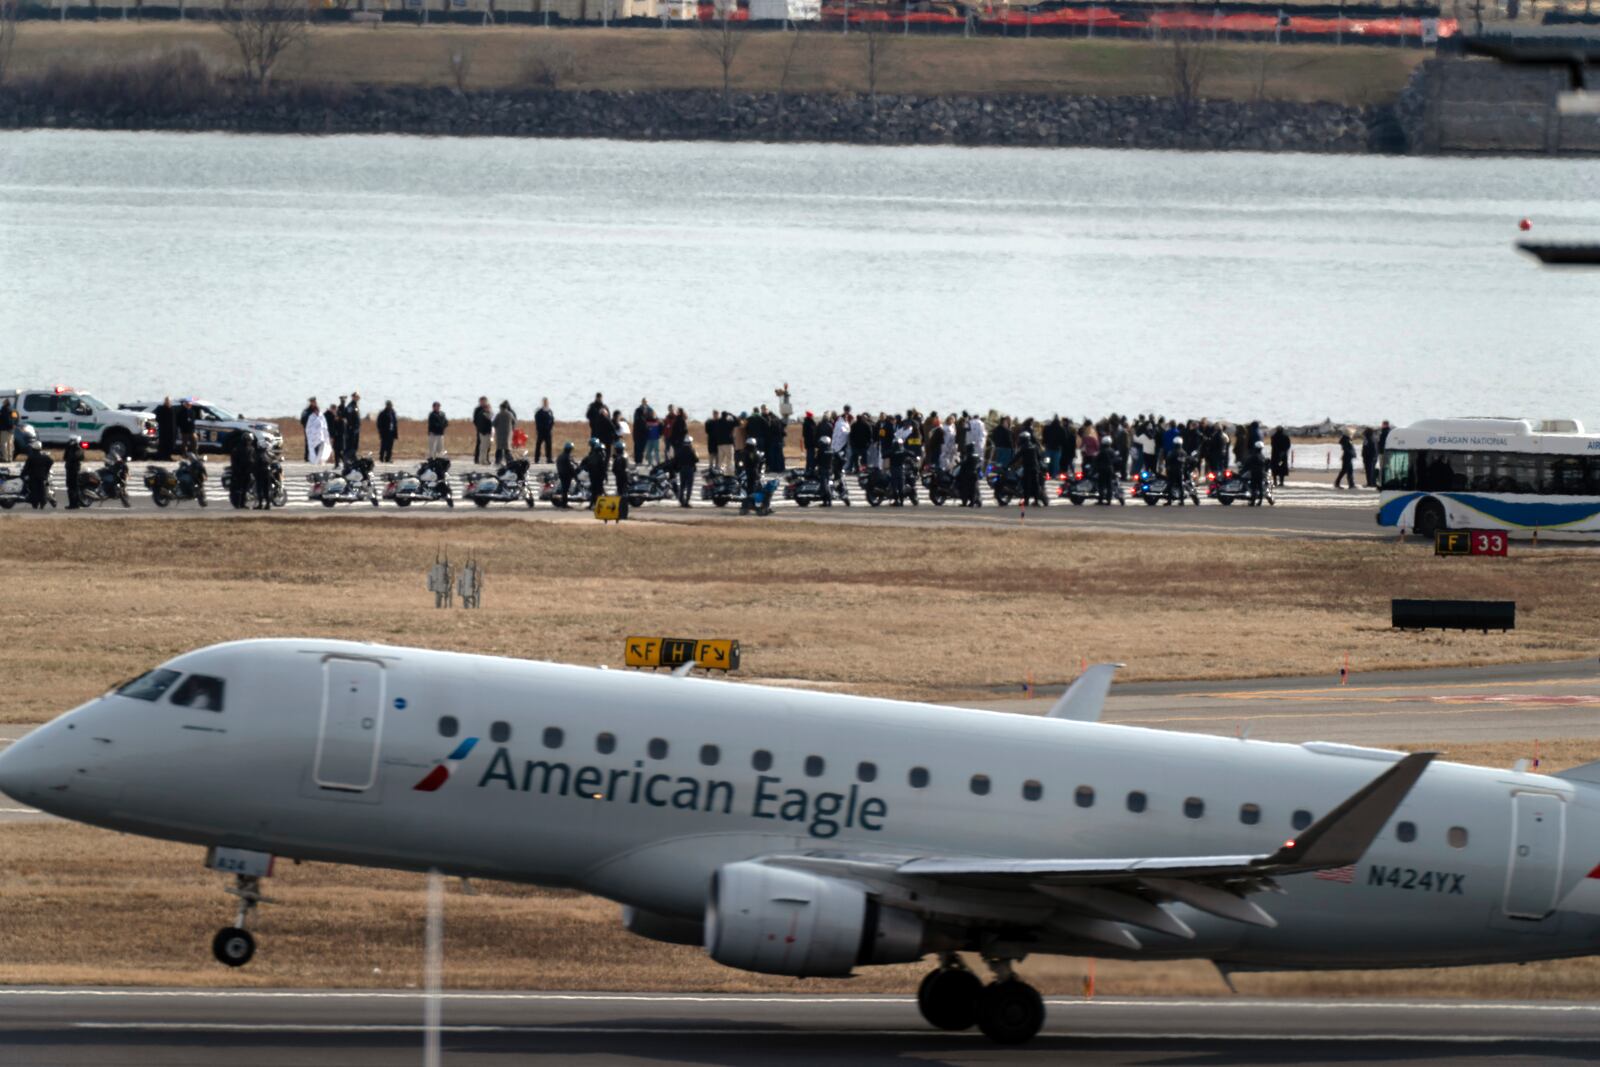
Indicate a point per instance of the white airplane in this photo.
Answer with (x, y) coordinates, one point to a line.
(809, 834)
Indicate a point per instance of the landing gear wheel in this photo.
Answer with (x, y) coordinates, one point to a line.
(948, 998)
(233, 947)
(1010, 1012)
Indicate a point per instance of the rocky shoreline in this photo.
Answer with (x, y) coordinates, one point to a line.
(1016, 120)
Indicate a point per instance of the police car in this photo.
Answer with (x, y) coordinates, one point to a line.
(216, 426)
(59, 413)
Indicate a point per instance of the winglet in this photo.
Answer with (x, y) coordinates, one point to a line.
(1340, 838)
(1583, 772)
(1085, 697)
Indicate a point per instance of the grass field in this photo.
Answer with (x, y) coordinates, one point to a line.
(821, 62)
(931, 613)
(86, 906)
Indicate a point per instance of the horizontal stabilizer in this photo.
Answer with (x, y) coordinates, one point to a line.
(1085, 697)
(1583, 772)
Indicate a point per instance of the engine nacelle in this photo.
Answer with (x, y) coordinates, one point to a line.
(658, 927)
(778, 921)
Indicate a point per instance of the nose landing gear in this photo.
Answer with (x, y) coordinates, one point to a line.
(1008, 1010)
(234, 946)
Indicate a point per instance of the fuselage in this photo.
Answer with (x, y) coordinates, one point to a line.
(638, 787)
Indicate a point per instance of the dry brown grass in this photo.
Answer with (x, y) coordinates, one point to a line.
(825, 62)
(87, 906)
(927, 613)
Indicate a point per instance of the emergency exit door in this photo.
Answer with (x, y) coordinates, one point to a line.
(1537, 827)
(352, 725)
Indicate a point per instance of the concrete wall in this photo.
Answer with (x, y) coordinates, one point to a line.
(1481, 105)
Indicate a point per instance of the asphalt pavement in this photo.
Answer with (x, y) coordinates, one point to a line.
(1513, 702)
(355, 1028)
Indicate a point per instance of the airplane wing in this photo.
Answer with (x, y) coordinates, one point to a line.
(1104, 892)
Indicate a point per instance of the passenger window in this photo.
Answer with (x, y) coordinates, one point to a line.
(1032, 790)
(918, 778)
(980, 784)
(605, 744)
(150, 685)
(1301, 820)
(1084, 796)
(1406, 832)
(710, 755)
(1457, 837)
(1194, 807)
(761, 760)
(814, 766)
(1249, 814)
(500, 732)
(448, 726)
(867, 772)
(200, 692)
(658, 748)
(1137, 801)
(554, 737)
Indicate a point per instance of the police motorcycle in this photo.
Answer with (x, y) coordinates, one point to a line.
(1077, 487)
(351, 485)
(13, 490)
(278, 495)
(651, 487)
(805, 488)
(1233, 485)
(1151, 487)
(430, 481)
(186, 481)
(721, 489)
(1005, 483)
(577, 493)
(110, 482)
(507, 485)
(941, 485)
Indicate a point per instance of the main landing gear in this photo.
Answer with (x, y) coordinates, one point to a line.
(1008, 1010)
(234, 946)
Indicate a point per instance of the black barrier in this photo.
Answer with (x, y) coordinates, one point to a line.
(1482, 615)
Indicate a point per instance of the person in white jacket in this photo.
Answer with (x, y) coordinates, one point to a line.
(318, 448)
(949, 455)
(841, 440)
(977, 435)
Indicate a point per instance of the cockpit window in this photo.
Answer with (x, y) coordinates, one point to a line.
(150, 685)
(201, 692)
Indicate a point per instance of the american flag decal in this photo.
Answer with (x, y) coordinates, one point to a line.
(1342, 875)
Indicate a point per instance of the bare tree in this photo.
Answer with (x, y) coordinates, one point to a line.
(10, 14)
(548, 65)
(1187, 75)
(263, 30)
(721, 42)
(877, 41)
(459, 59)
(789, 52)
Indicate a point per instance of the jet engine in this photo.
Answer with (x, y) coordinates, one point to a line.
(779, 921)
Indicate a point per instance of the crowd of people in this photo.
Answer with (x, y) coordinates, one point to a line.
(904, 446)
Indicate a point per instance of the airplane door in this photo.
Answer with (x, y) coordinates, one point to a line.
(352, 725)
(1537, 829)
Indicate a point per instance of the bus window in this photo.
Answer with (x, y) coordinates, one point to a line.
(1593, 488)
(1397, 470)
(1565, 474)
(1435, 473)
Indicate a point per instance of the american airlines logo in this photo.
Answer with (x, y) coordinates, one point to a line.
(1342, 875)
(441, 774)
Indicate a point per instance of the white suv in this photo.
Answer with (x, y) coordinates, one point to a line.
(60, 413)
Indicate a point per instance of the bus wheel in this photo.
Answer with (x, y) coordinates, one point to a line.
(1429, 519)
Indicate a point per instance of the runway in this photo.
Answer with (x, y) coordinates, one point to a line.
(287, 1028)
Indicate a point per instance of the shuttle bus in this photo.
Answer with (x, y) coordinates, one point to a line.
(1518, 475)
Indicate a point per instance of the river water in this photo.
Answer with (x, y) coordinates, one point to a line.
(257, 270)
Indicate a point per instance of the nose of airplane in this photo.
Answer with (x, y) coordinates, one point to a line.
(25, 768)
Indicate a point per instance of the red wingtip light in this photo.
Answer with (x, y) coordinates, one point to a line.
(1525, 225)
(1289, 843)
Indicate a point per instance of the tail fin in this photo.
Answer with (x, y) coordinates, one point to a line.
(1085, 697)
